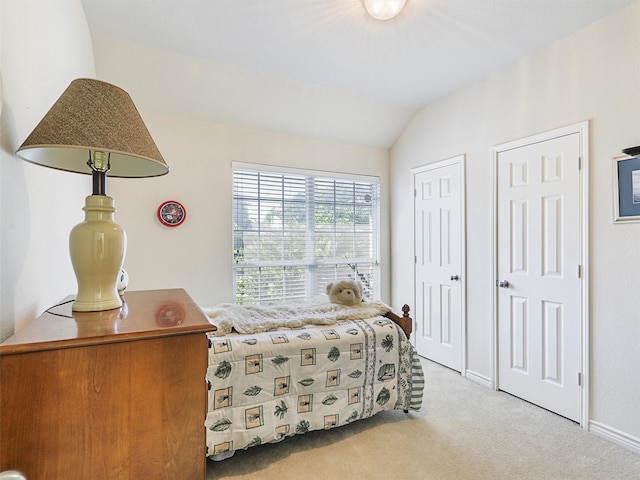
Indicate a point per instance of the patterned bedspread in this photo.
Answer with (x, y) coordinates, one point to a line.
(269, 385)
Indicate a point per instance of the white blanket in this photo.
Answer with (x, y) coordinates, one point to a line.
(263, 318)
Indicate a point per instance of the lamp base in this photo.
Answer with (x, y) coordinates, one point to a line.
(97, 247)
(96, 305)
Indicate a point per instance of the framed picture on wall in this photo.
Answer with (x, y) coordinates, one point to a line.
(626, 191)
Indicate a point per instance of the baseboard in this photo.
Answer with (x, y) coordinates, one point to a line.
(477, 378)
(615, 436)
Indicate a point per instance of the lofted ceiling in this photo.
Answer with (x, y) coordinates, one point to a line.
(321, 68)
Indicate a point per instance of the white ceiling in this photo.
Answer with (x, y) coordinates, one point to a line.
(332, 48)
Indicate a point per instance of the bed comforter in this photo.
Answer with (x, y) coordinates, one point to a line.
(269, 385)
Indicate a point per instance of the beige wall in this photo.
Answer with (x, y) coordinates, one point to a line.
(45, 45)
(593, 75)
(198, 254)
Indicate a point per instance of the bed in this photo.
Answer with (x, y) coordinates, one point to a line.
(280, 371)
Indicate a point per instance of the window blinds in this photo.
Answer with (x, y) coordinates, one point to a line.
(295, 232)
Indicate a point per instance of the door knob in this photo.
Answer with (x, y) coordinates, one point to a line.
(502, 283)
(455, 278)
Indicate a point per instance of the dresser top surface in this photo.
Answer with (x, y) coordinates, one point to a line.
(144, 314)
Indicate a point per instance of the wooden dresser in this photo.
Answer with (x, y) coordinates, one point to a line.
(119, 394)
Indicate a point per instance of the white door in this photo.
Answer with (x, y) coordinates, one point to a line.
(538, 273)
(439, 262)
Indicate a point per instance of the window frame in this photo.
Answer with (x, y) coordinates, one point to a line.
(311, 263)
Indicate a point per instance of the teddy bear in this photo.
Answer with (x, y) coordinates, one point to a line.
(345, 292)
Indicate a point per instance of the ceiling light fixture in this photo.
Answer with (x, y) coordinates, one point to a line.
(384, 9)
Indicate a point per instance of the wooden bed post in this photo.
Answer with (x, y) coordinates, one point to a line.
(405, 322)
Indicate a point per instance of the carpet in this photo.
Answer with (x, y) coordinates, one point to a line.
(463, 431)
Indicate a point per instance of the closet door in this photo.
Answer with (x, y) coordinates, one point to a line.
(539, 285)
(439, 262)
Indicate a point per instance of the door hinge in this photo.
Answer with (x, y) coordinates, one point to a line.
(579, 271)
(415, 259)
(580, 378)
(579, 163)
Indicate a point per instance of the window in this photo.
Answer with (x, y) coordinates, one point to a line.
(296, 231)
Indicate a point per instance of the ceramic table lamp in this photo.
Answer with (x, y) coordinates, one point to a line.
(95, 128)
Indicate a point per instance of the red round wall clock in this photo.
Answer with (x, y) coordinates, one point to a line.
(171, 213)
